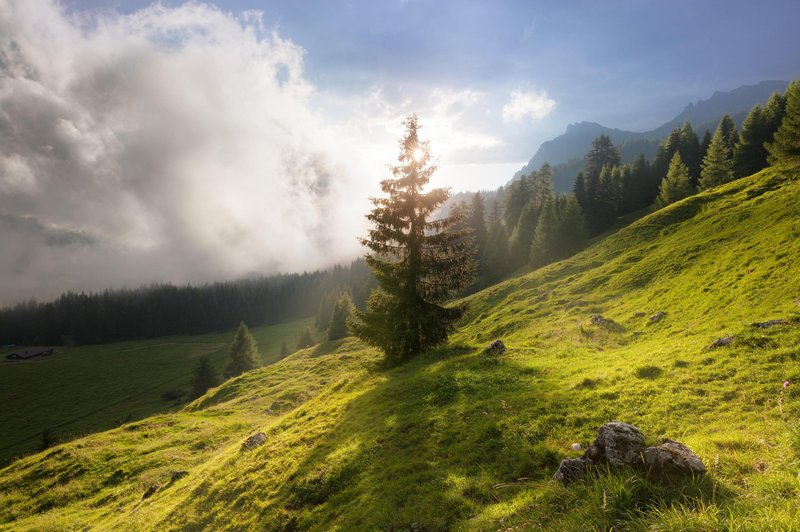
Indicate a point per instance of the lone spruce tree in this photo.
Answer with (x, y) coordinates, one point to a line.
(243, 352)
(418, 262)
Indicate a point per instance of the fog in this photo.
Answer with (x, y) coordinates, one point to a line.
(172, 144)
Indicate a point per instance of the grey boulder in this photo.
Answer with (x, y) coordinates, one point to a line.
(617, 444)
(672, 460)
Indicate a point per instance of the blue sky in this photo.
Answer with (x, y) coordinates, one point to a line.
(192, 142)
(627, 63)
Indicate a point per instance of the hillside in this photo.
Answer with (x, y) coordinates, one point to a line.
(458, 439)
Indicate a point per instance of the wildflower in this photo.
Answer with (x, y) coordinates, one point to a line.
(786, 384)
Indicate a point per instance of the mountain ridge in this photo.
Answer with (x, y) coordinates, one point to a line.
(576, 141)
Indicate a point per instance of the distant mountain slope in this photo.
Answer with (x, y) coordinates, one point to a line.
(458, 439)
(703, 115)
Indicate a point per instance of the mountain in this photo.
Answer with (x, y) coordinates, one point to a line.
(461, 439)
(570, 148)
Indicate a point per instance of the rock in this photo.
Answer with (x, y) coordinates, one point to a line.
(151, 491)
(174, 476)
(254, 441)
(606, 323)
(658, 316)
(571, 470)
(639, 315)
(574, 304)
(672, 460)
(543, 297)
(617, 444)
(721, 342)
(768, 324)
(576, 447)
(496, 348)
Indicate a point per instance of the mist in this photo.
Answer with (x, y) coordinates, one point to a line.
(171, 144)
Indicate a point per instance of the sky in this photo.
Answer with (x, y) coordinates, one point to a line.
(189, 142)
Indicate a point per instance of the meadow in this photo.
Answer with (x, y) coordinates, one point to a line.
(460, 439)
(80, 390)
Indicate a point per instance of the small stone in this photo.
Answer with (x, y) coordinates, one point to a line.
(639, 315)
(721, 342)
(254, 441)
(496, 348)
(658, 316)
(576, 447)
(151, 491)
(571, 470)
(768, 324)
(177, 475)
(672, 460)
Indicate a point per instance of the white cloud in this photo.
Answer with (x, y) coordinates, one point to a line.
(536, 104)
(182, 143)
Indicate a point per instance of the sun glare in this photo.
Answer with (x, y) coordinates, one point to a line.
(418, 154)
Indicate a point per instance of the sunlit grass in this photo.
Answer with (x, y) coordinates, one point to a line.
(460, 439)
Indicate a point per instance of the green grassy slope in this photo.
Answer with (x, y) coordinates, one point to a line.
(458, 439)
(87, 389)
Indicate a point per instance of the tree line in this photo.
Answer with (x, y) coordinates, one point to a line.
(165, 309)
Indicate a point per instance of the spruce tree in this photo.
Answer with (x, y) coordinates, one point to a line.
(690, 152)
(705, 143)
(570, 229)
(543, 247)
(477, 222)
(204, 377)
(727, 127)
(284, 350)
(496, 257)
(751, 153)
(419, 263)
(785, 148)
(341, 313)
(676, 185)
(717, 166)
(305, 339)
(243, 353)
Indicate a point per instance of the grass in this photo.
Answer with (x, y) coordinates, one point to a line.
(87, 389)
(462, 440)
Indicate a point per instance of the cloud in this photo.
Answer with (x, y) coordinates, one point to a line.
(535, 104)
(179, 144)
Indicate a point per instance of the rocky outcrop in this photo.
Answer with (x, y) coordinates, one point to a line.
(658, 316)
(621, 445)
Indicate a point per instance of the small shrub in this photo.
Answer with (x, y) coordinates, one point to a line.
(649, 372)
(172, 395)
